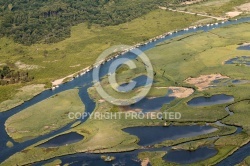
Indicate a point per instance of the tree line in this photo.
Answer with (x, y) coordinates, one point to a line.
(8, 76)
(49, 21)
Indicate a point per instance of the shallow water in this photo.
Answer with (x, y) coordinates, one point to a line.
(244, 47)
(61, 140)
(140, 81)
(187, 157)
(239, 60)
(228, 81)
(152, 104)
(213, 100)
(237, 156)
(158, 134)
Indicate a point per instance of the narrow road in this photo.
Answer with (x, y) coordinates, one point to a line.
(198, 14)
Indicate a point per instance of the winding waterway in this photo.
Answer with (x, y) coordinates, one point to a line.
(167, 133)
(84, 82)
(187, 157)
(213, 100)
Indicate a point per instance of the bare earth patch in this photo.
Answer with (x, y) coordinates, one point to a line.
(23, 66)
(233, 14)
(145, 162)
(130, 110)
(163, 8)
(245, 7)
(181, 92)
(191, 2)
(203, 82)
(60, 81)
(239, 10)
(75, 65)
(245, 44)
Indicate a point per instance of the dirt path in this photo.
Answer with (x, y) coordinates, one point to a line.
(198, 14)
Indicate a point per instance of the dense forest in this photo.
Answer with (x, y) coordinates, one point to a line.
(48, 21)
(8, 76)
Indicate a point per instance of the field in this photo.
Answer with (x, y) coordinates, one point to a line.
(241, 112)
(44, 117)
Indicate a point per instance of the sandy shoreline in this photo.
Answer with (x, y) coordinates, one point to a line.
(181, 92)
(61, 80)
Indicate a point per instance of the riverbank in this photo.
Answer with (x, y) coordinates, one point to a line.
(24, 94)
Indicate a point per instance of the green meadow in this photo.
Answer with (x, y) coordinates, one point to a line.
(44, 117)
(81, 49)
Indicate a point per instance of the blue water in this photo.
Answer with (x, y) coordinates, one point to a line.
(95, 160)
(121, 159)
(239, 60)
(228, 82)
(213, 100)
(157, 134)
(80, 82)
(139, 81)
(237, 156)
(187, 157)
(61, 140)
(245, 47)
(152, 104)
